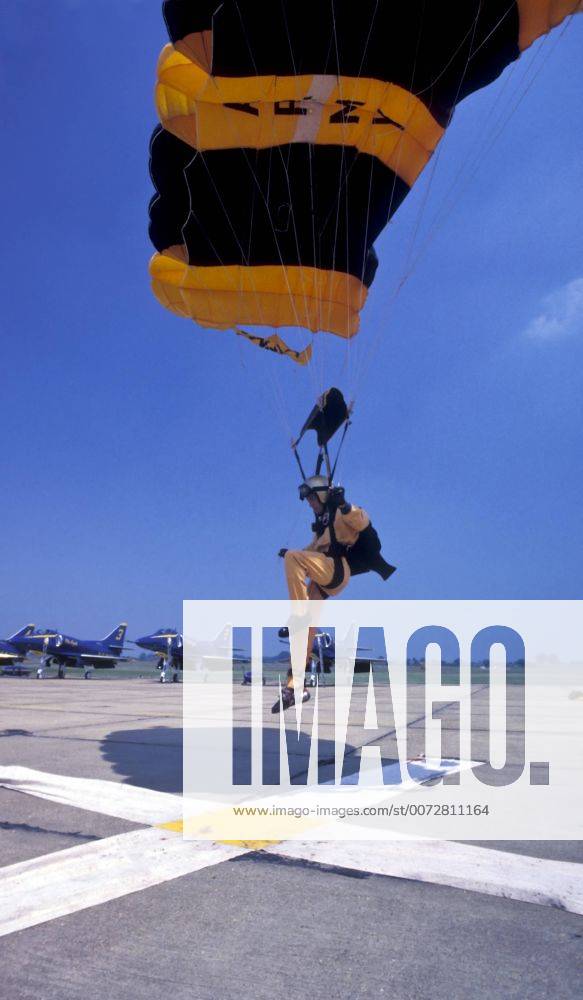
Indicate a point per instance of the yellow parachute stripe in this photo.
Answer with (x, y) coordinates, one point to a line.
(383, 120)
(271, 295)
(536, 17)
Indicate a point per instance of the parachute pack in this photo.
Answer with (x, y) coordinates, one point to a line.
(362, 557)
(365, 555)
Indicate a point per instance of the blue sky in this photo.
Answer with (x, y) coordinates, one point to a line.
(144, 459)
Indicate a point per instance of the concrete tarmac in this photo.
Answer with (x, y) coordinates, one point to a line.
(259, 925)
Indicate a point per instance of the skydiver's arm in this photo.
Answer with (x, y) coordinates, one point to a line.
(355, 517)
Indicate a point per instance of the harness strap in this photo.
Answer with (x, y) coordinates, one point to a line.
(336, 552)
(338, 574)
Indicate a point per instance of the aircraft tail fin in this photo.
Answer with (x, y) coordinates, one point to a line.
(116, 637)
(23, 632)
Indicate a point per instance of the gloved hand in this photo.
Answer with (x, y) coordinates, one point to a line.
(336, 497)
(282, 553)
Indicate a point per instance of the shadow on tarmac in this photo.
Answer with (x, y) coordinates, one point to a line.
(149, 758)
(152, 758)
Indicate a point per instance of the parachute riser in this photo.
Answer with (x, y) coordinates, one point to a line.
(299, 461)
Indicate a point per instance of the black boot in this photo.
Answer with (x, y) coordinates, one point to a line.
(288, 699)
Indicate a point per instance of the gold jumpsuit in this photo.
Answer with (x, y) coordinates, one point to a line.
(314, 564)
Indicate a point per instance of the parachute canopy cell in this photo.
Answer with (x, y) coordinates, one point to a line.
(291, 132)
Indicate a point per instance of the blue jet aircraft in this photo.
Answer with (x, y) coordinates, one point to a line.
(14, 650)
(65, 651)
(168, 643)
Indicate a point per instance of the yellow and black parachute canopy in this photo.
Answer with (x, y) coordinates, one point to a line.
(290, 133)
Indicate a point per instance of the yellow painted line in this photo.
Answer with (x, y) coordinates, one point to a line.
(177, 826)
(250, 845)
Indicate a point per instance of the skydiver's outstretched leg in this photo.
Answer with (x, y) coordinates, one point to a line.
(312, 593)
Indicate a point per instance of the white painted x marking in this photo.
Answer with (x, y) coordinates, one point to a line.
(64, 882)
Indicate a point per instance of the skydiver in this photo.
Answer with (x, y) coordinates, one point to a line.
(344, 544)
